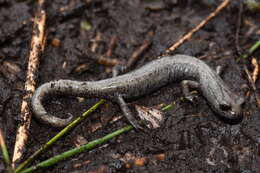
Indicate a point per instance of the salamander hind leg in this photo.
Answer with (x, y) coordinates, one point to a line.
(186, 85)
(128, 114)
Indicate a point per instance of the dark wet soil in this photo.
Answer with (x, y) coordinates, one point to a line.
(192, 139)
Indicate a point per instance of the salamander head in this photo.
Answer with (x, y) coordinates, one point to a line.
(223, 101)
(231, 109)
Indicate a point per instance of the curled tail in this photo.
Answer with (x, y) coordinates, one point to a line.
(60, 87)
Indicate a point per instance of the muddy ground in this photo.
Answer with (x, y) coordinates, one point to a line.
(192, 139)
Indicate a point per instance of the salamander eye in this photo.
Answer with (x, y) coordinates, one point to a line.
(224, 107)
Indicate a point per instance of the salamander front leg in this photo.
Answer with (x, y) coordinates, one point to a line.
(128, 114)
(125, 109)
(186, 85)
(220, 69)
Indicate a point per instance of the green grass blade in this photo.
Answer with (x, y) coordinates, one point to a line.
(58, 136)
(83, 148)
(5, 154)
(75, 151)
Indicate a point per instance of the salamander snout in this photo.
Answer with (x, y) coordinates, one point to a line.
(232, 110)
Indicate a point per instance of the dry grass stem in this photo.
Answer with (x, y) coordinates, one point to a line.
(256, 69)
(37, 46)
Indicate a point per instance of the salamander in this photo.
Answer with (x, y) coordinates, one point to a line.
(188, 70)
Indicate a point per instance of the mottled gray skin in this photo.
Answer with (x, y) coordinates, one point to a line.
(145, 80)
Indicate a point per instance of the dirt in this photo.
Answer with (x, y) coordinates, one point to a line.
(192, 139)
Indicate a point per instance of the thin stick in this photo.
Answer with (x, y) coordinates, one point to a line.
(111, 46)
(104, 60)
(5, 152)
(58, 136)
(136, 54)
(37, 46)
(198, 27)
(256, 69)
(107, 61)
(96, 41)
(252, 85)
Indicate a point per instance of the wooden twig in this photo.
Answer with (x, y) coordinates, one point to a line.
(111, 46)
(255, 72)
(252, 85)
(37, 46)
(137, 53)
(106, 59)
(198, 27)
(95, 42)
(102, 59)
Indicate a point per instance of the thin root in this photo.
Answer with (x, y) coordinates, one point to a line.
(197, 28)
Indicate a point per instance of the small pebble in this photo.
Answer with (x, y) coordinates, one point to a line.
(141, 161)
